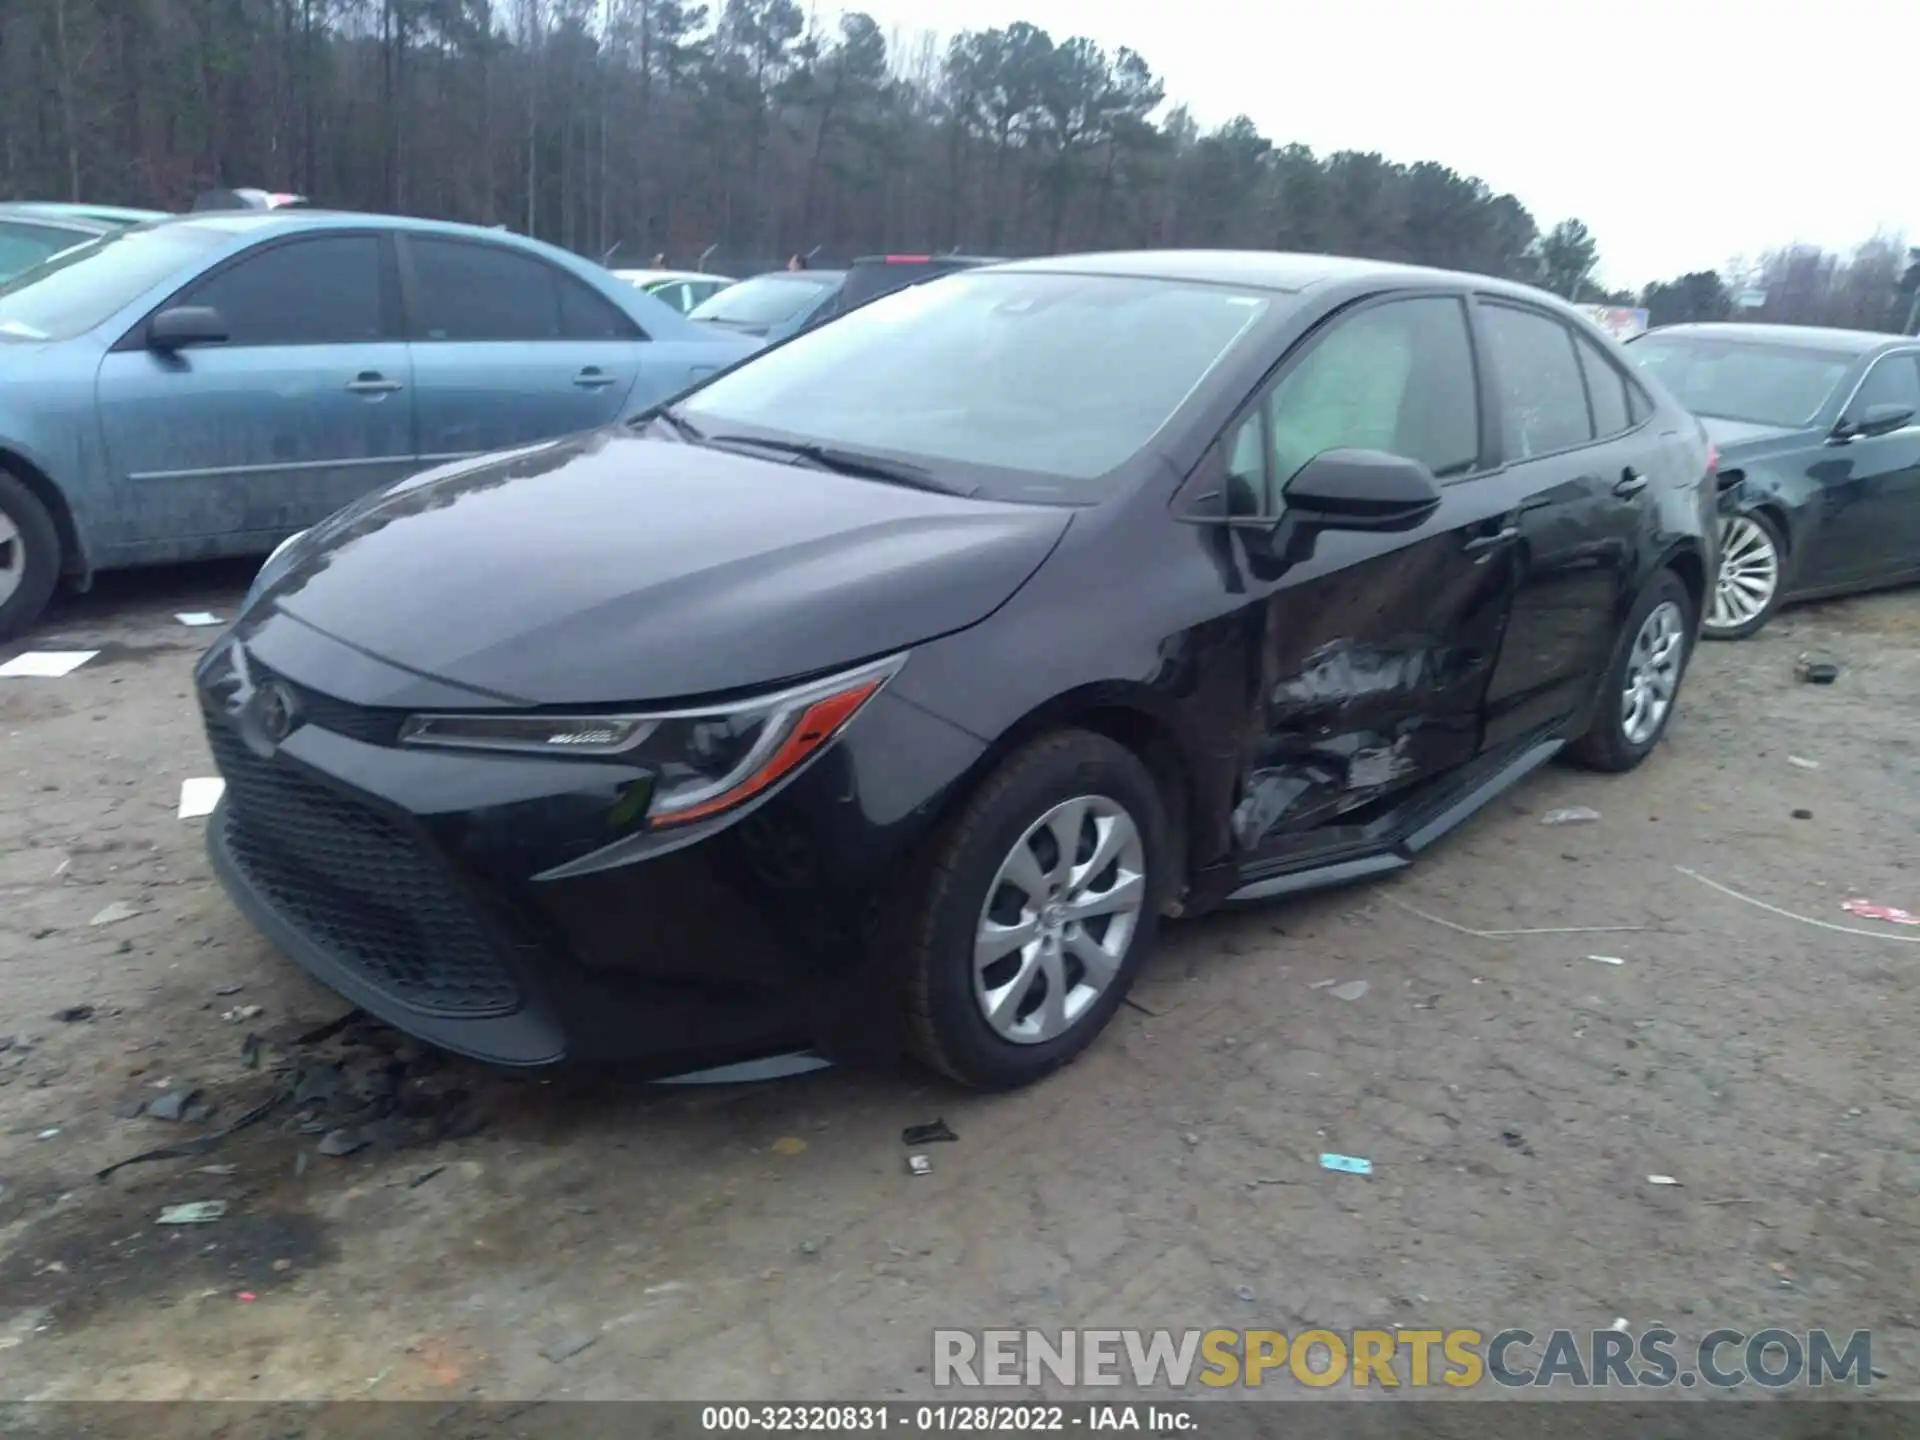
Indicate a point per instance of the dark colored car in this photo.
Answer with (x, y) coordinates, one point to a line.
(1819, 440)
(884, 691)
(872, 276)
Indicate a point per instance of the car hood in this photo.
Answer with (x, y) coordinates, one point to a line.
(613, 568)
(1734, 435)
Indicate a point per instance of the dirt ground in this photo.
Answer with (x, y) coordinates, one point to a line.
(1512, 1093)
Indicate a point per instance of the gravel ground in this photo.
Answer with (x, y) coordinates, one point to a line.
(1512, 1093)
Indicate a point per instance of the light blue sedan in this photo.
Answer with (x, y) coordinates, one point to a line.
(207, 385)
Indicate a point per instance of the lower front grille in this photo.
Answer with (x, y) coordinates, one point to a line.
(372, 896)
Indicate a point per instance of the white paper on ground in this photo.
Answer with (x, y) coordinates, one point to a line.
(45, 664)
(199, 795)
(197, 617)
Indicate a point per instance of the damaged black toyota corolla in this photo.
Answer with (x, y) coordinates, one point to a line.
(882, 694)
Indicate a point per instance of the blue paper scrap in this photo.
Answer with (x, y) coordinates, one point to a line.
(1348, 1164)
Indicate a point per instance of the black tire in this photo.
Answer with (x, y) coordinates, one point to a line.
(1767, 526)
(942, 910)
(1606, 745)
(32, 543)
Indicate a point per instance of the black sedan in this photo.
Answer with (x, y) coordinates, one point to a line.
(885, 692)
(1819, 440)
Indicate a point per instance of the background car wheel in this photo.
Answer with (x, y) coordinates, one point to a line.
(1747, 590)
(29, 557)
(1034, 912)
(1642, 686)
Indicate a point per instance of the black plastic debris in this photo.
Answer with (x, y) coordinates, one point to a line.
(342, 1142)
(929, 1134)
(1817, 672)
(173, 1105)
(74, 1014)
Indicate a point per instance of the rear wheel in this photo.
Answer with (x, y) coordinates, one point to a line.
(1747, 590)
(1642, 685)
(29, 556)
(1034, 912)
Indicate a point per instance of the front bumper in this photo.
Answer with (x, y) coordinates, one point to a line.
(422, 886)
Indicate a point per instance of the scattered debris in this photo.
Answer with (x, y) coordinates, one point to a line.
(928, 1134)
(789, 1145)
(114, 913)
(416, 1181)
(219, 1170)
(571, 1346)
(1661, 1180)
(1733, 894)
(197, 1212)
(1244, 1292)
(343, 1142)
(299, 1164)
(1346, 1164)
(74, 1014)
(45, 664)
(199, 1146)
(1512, 1139)
(1191, 1139)
(199, 795)
(48, 1133)
(222, 991)
(1322, 984)
(173, 1105)
(1801, 763)
(919, 1165)
(1607, 959)
(1352, 990)
(1621, 1325)
(1867, 910)
(1816, 672)
(197, 618)
(281, 1267)
(132, 1108)
(246, 1297)
(1511, 934)
(1739, 1200)
(242, 1012)
(1570, 815)
(1803, 814)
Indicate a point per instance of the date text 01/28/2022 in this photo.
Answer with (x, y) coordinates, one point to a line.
(987, 1419)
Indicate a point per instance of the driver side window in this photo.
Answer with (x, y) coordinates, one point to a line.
(1397, 377)
(1893, 380)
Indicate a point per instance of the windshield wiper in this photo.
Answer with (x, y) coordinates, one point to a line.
(842, 462)
(685, 429)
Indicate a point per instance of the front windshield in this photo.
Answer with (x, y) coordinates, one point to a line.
(72, 292)
(1067, 376)
(1738, 379)
(763, 300)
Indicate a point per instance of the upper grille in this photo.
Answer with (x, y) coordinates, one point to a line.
(374, 897)
(356, 722)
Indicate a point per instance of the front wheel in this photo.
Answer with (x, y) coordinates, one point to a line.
(1747, 590)
(1034, 912)
(1642, 685)
(29, 556)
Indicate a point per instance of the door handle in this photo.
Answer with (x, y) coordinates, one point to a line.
(372, 382)
(1489, 542)
(1631, 482)
(593, 378)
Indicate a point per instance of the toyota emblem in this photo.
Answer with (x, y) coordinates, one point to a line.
(273, 709)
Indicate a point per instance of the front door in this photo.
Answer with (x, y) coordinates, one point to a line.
(306, 406)
(508, 349)
(1368, 652)
(1579, 453)
(1870, 487)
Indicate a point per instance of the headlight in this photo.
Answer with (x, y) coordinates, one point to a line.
(704, 761)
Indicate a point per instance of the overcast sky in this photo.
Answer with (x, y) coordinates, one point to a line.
(1683, 132)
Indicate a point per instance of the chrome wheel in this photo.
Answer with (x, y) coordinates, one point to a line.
(1749, 573)
(1653, 673)
(13, 557)
(1059, 916)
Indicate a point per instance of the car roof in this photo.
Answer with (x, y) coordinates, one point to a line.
(1286, 272)
(956, 260)
(827, 275)
(1806, 337)
(79, 224)
(649, 275)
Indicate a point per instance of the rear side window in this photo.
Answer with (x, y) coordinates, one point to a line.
(1606, 390)
(1893, 380)
(1543, 396)
(319, 291)
(465, 291)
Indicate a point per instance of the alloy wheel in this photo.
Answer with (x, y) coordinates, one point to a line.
(1063, 908)
(1653, 673)
(1749, 573)
(13, 557)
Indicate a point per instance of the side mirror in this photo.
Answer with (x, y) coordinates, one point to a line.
(1875, 420)
(186, 325)
(1362, 490)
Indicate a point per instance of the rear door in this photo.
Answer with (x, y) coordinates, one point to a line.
(307, 405)
(1870, 488)
(1370, 651)
(509, 349)
(1576, 442)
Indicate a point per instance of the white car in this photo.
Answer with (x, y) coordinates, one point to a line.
(682, 289)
